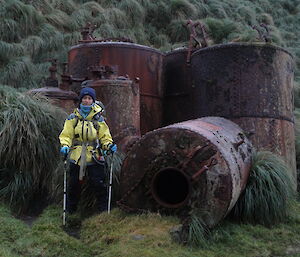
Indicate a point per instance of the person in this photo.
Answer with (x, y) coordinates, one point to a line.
(84, 137)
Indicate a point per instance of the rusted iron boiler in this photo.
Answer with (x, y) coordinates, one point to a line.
(198, 164)
(128, 58)
(177, 104)
(121, 99)
(252, 85)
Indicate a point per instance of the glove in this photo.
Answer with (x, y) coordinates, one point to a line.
(113, 148)
(64, 150)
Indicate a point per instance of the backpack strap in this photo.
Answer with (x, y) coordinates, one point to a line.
(96, 118)
(73, 116)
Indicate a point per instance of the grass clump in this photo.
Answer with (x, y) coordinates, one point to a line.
(29, 129)
(219, 29)
(134, 11)
(119, 234)
(268, 191)
(197, 233)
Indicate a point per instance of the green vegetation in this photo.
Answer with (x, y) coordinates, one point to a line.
(268, 192)
(120, 234)
(266, 200)
(34, 31)
(31, 170)
(29, 128)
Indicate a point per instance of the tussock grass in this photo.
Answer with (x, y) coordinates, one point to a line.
(80, 17)
(247, 15)
(26, 15)
(42, 5)
(182, 9)
(219, 29)
(29, 129)
(177, 31)
(33, 45)
(268, 192)
(60, 20)
(198, 233)
(105, 31)
(266, 19)
(7, 50)
(157, 23)
(116, 17)
(53, 43)
(159, 15)
(93, 7)
(67, 6)
(72, 38)
(9, 30)
(217, 9)
(134, 11)
(161, 41)
(17, 71)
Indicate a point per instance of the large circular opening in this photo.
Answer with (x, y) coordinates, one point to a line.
(170, 187)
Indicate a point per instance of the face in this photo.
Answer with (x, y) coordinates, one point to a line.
(87, 100)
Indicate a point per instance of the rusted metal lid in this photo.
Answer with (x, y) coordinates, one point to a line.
(115, 44)
(55, 92)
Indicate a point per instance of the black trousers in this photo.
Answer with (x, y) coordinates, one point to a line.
(96, 181)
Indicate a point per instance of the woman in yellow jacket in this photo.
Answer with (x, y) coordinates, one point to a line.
(84, 133)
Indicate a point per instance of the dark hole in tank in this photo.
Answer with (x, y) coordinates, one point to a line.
(170, 187)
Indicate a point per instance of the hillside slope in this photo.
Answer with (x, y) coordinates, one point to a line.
(34, 31)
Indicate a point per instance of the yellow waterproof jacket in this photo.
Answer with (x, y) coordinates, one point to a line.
(79, 132)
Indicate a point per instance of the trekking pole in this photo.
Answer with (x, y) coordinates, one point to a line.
(65, 191)
(110, 183)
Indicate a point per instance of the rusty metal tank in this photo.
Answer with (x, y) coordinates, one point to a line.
(178, 105)
(131, 59)
(61, 98)
(198, 165)
(252, 85)
(121, 99)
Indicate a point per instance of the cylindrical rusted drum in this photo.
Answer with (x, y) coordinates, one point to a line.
(200, 164)
(252, 85)
(121, 99)
(178, 104)
(62, 98)
(131, 59)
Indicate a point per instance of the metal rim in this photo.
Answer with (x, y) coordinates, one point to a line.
(116, 44)
(230, 45)
(177, 187)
